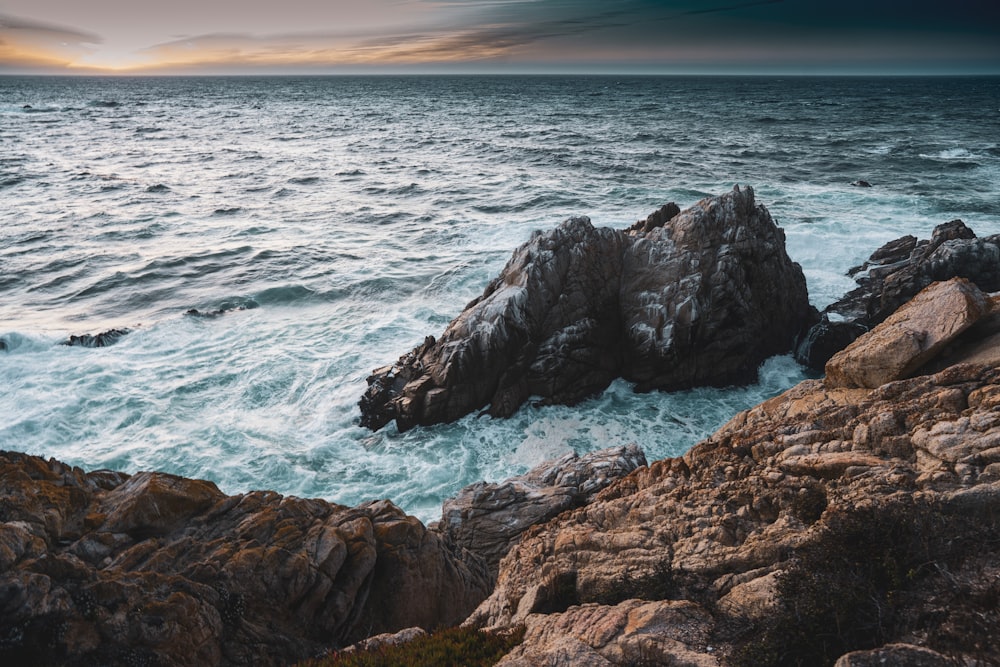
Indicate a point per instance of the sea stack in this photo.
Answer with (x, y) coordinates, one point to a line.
(670, 303)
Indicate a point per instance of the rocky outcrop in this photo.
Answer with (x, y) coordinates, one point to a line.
(486, 519)
(104, 568)
(910, 337)
(826, 520)
(103, 339)
(667, 304)
(892, 276)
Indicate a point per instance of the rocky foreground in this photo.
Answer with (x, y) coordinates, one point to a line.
(851, 520)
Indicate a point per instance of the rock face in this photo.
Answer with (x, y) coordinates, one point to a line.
(910, 337)
(826, 520)
(103, 568)
(892, 276)
(486, 519)
(668, 304)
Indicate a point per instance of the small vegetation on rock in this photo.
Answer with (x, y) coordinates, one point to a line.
(846, 590)
(452, 647)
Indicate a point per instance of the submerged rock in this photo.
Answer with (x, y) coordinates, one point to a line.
(107, 568)
(892, 276)
(103, 339)
(667, 304)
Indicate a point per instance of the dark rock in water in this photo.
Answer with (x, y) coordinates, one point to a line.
(690, 302)
(103, 339)
(861, 184)
(228, 307)
(894, 274)
(656, 219)
(105, 568)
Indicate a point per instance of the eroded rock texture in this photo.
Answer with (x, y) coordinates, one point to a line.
(892, 276)
(487, 519)
(103, 568)
(668, 304)
(826, 520)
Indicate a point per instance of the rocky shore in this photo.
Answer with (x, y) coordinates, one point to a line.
(853, 520)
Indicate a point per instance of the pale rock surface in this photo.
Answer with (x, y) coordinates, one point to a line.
(667, 633)
(894, 274)
(910, 337)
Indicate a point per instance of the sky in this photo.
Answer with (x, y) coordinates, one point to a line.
(501, 36)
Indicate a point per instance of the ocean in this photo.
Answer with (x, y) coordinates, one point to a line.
(339, 220)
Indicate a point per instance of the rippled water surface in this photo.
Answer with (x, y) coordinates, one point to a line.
(345, 218)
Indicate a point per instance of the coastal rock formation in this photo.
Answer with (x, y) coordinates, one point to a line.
(106, 568)
(668, 304)
(103, 339)
(486, 519)
(826, 520)
(892, 276)
(910, 337)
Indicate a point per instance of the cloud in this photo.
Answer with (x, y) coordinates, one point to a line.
(27, 45)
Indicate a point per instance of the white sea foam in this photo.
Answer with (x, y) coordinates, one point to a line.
(338, 221)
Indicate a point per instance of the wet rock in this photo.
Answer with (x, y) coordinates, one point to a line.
(107, 568)
(689, 302)
(861, 184)
(910, 337)
(893, 275)
(486, 519)
(895, 654)
(103, 339)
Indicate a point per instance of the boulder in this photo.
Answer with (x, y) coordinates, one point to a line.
(487, 519)
(893, 275)
(666, 304)
(895, 654)
(107, 568)
(910, 337)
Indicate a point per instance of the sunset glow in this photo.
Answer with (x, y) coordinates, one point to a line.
(56, 36)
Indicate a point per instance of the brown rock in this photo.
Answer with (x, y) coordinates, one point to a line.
(156, 569)
(851, 482)
(486, 519)
(910, 337)
(633, 632)
(895, 654)
(893, 275)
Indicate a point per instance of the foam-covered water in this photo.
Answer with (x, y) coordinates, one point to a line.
(347, 217)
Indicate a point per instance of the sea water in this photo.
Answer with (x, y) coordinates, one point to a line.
(339, 220)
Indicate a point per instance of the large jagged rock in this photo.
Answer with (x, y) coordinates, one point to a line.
(667, 304)
(892, 276)
(825, 520)
(486, 519)
(104, 568)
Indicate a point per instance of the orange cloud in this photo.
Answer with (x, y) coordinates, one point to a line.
(29, 45)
